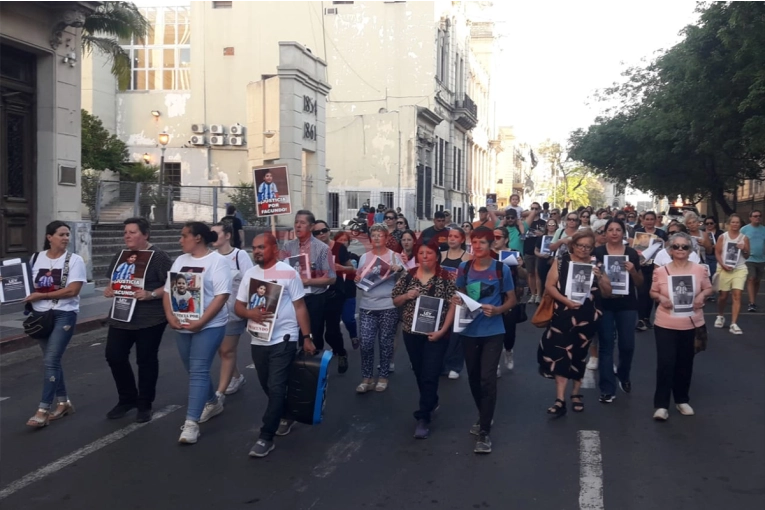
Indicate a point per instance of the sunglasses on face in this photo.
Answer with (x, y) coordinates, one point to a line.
(499, 237)
(320, 232)
(535, 208)
(682, 247)
(511, 217)
(755, 215)
(600, 232)
(467, 225)
(390, 217)
(571, 219)
(400, 223)
(552, 225)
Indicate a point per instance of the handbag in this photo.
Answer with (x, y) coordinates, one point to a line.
(544, 312)
(521, 316)
(701, 338)
(39, 325)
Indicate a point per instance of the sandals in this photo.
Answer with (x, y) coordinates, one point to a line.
(577, 406)
(40, 419)
(381, 386)
(365, 387)
(62, 409)
(557, 410)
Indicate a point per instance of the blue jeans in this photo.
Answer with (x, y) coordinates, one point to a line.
(454, 359)
(53, 349)
(624, 324)
(349, 316)
(197, 352)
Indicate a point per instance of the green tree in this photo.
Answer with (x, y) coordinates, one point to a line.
(693, 121)
(101, 150)
(579, 188)
(560, 166)
(242, 196)
(103, 30)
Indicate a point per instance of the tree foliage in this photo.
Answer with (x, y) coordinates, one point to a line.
(578, 187)
(103, 30)
(100, 149)
(692, 122)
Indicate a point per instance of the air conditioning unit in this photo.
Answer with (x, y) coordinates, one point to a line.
(236, 129)
(216, 140)
(198, 128)
(216, 129)
(236, 140)
(198, 140)
(330, 10)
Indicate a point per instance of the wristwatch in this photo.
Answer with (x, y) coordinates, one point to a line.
(153, 295)
(309, 335)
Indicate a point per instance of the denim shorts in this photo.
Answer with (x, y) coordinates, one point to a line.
(235, 327)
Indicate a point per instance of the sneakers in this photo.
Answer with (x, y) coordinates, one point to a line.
(285, 426)
(119, 411)
(342, 364)
(453, 374)
(421, 431)
(685, 409)
(735, 329)
(392, 367)
(475, 429)
(647, 323)
(483, 443)
(641, 326)
(533, 299)
(212, 409)
(262, 448)
(190, 432)
(720, 321)
(509, 359)
(235, 385)
(661, 415)
(626, 386)
(143, 415)
(607, 398)
(538, 299)
(499, 370)
(751, 308)
(592, 364)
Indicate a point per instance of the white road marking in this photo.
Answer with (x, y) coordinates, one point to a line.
(342, 450)
(588, 381)
(590, 471)
(4, 398)
(97, 343)
(76, 455)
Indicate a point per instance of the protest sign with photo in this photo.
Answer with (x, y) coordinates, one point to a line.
(128, 276)
(491, 201)
(300, 264)
(545, 248)
(616, 269)
(427, 314)
(264, 296)
(681, 294)
(374, 274)
(15, 282)
(642, 241)
(579, 281)
(186, 295)
(731, 254)
(272, 191)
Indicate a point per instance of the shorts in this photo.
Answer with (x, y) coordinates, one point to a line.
(731, 280)
(235, 327)
(756, 270)
(530, 263)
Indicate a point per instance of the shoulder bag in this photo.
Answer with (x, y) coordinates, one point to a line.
(544, 313)
(39, 325)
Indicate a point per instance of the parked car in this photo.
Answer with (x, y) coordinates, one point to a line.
(676, 213)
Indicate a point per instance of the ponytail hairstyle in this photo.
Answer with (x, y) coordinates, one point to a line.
(197, 228)
(50, 229)
(227, 226)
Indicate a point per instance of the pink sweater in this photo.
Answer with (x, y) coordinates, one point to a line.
(664, 316)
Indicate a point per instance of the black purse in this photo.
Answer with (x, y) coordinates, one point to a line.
(701, 337)
(39, 325)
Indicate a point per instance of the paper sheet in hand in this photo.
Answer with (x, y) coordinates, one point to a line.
(681, 292)
(615, 266)
(465, 313)
(14, 282)
(652, 250)
(374, 274)
(508, 257)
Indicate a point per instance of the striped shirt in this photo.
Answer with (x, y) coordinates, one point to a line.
(125, 271)
(318, 256)
(267, 191)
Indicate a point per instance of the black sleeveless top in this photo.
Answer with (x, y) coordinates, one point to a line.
(455, 263)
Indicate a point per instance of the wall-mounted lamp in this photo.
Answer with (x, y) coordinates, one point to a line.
(156, 113)
(70, 58)
(164, 138)
(269, 133)
(146, 158)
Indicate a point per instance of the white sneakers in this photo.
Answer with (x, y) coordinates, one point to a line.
(190, 432)
(592, 364)
(212, 409)
(685, 409)
(235, 384)
(454, 375)
(661, 414)
(509, 359)
(734, 329)
(720, 321)
(499, 370)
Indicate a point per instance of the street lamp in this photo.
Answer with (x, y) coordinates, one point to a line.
(163, 139)
(146, 158)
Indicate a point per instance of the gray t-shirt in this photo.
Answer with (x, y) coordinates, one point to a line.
(379, 297)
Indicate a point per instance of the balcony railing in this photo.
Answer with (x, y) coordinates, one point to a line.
(466, 111)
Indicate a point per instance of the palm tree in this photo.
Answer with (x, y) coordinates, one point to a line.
(103, 30)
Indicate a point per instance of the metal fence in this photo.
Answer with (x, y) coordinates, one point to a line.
(115, 201)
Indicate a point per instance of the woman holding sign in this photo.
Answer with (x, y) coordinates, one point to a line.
(675, 333)
(426, 348)
(562, 352)
(731, 251)
(143, 328)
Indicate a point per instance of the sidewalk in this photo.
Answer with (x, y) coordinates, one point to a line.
(93, 311)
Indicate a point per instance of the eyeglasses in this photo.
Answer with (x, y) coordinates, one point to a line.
(585, 216)
(535, 208)
(499, 237)
(571, 219)
(682, 247)
(755, 215)
(555, 213)
(320, 232)
(467, 225)
(600, 232)
(390, 217)
(585, 247)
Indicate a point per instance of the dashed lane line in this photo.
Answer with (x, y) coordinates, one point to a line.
(590, 471)
(79, 454)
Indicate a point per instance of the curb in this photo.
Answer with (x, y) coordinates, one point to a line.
(18, 342)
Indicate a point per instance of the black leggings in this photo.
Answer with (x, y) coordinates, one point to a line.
(481, 360)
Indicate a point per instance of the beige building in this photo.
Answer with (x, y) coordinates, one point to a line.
(40, 50)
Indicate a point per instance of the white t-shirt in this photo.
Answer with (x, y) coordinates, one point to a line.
(244, 263)
(46, 274)
(217, 281)
(662, 258)
(286, 320)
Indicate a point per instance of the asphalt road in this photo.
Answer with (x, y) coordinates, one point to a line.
(364, 456)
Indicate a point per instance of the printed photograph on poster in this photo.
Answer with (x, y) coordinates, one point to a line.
(374, 274)
(128, 276)
(186, 295)
(681, 294)
(427, 314)
(616, 269)
(491, 201)
(272, 192)
(731, 254)
(15, 283)
(579, 281)
(450, 272)
(301, 265)
(545, 248)
(264, 296)
(642, 241)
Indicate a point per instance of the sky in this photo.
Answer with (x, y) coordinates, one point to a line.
(555, 54)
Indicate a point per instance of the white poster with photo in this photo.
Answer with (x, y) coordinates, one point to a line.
(579, 281)
(374, 274)
(264, 296)
(545, 248)
(301, 265)
(427, 314)
(272, 194)
(465, 313)
(731, 254)
(681, 294)
(616, 269)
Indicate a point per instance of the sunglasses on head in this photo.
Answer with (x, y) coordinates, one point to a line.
(319, 232)
(682, 247)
